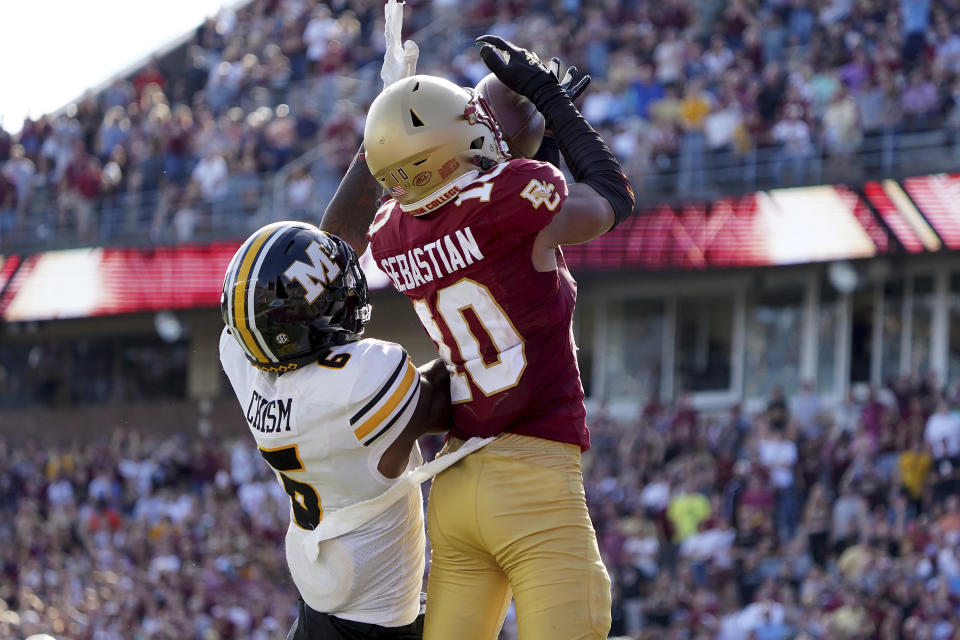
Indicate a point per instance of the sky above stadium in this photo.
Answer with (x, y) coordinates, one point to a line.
(53, 50)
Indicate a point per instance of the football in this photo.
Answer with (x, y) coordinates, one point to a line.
(520, 122)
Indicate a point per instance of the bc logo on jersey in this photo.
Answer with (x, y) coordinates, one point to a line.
(541, 193)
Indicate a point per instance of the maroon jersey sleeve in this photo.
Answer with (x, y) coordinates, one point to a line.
(526, 196)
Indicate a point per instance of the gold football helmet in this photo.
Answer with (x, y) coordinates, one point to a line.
(424, 135)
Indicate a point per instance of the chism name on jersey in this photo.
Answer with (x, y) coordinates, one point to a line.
(269, 416)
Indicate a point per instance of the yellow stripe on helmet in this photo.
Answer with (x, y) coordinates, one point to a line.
(240, 288)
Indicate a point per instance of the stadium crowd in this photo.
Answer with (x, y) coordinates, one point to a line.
(190, 136)
(137, 538)
(796, 522)
(175, 146)
(678, 79)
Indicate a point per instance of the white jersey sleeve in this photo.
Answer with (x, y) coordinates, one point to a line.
(384, 393)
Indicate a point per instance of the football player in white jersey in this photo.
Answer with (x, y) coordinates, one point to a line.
(337, 417)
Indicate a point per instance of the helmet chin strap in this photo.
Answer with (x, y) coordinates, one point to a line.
(484, 163)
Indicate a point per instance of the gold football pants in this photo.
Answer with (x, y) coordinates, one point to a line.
(511, 519)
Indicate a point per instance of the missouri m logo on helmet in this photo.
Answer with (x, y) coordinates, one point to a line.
(425, 138)
(290, 293)
(312, 277)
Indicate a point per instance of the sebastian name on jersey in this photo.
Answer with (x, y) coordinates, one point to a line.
(504, 328)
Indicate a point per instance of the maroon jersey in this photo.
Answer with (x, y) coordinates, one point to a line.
(505, 328)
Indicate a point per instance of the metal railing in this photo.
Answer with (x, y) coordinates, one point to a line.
(884, 154)
(167, 216)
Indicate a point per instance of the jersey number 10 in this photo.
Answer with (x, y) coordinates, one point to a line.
(453, 303)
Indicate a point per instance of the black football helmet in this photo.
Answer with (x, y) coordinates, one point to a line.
(291, 292)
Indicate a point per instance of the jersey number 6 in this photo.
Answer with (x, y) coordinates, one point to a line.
(455, 305)
(307, 510)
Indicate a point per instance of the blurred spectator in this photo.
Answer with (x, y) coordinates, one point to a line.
(694, 109)
(914, 466)
(20, 170)
(919, 99)
(8, 205)
(793, 136)
(687, 509)
(299, 194)
(915, 15)
(644, 91)
(210, 177)
(942, 433)
(80, 187)
(668, 56)
(850, 523)
(149, 75)
(841, 124)
(778, 455)
(6, 144)
(321, 29)
(806, 411)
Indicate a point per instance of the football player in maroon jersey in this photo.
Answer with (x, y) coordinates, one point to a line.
(473, 239)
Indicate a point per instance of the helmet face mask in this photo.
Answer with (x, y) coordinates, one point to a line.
(424, 138)
(290, 293)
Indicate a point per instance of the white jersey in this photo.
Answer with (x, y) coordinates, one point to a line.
(323, 428)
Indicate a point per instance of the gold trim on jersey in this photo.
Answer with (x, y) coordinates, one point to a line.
(390, 405)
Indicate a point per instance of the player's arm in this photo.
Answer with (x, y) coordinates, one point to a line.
(601, 197)
(353, 206)
(432, 415)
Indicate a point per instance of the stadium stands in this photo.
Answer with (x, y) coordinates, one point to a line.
(794, 523)
(698, 99)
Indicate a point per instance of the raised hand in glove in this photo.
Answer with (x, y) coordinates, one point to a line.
(571, 88)
(522, 70)
(549, 150)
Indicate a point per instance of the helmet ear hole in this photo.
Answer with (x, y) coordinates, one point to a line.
(417, 122)
(477, 143)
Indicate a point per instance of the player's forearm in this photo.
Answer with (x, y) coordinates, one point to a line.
(586, 154)
(353, 206)
(435, 397)
(549, 150)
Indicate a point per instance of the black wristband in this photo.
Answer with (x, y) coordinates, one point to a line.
(549, 150)
(587, 155)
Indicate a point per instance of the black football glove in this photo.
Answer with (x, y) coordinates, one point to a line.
(573, 90)
(522, 72)
(588, 157)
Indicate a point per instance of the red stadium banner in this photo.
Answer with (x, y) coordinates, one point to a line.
(766, 228)
(938, 197)
(8, 265)
(893, 205)
(94, 282)
(777, 227)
